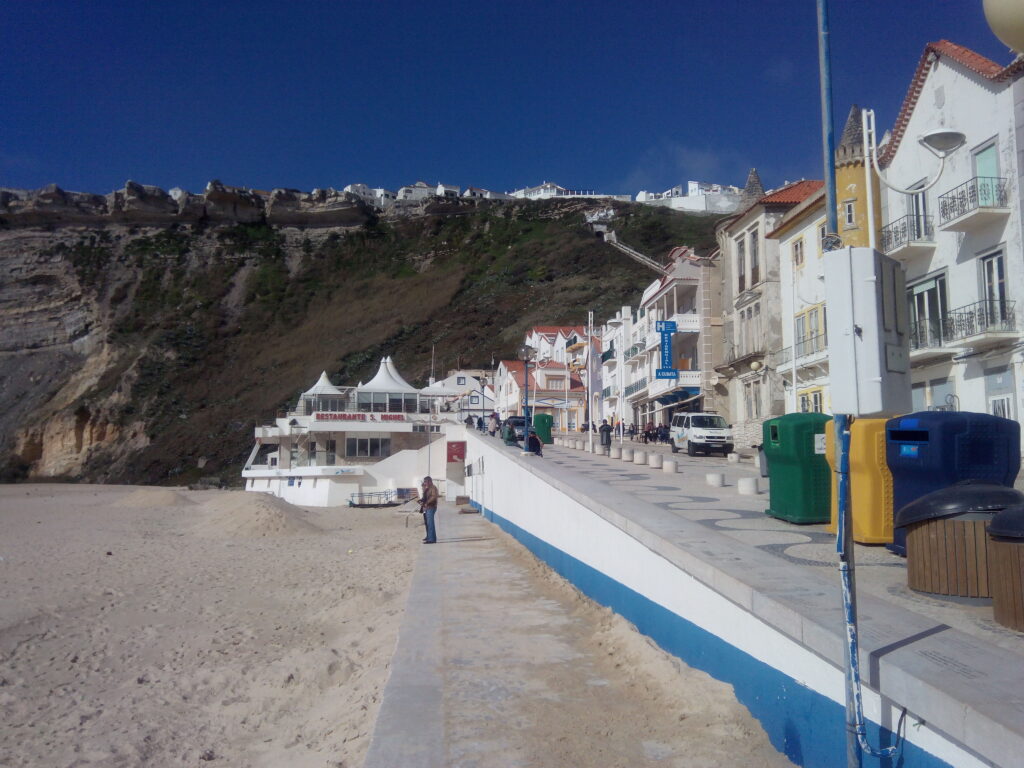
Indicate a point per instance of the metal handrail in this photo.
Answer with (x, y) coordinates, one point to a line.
(980, 317)
(976, 193)
(913, 228)
(811, 345)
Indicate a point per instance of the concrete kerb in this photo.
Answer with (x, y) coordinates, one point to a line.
(799, 605)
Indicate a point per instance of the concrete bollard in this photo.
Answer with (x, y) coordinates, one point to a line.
(577, 444)
(747, 486)
(669, 466)
(639, 457)
(715, 479)
(614, 452)
(627, 454)
(733, 458)
(654, 460)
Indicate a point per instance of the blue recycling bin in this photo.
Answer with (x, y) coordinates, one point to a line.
(930, 450)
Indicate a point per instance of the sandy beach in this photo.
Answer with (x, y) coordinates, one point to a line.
(148, 626)
(152, 626)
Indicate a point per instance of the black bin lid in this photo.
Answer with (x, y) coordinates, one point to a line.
(959, 499)
(1008, 524)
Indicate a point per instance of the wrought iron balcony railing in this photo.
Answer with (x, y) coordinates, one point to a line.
(909, 229)
(979, 192)
(981, 317)
(984, 316)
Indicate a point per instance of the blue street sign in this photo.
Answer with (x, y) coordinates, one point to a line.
(665, 326)
(666, 349)
(666, 373)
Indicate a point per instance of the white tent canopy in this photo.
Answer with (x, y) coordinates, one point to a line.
(388, 379)
(323, 386)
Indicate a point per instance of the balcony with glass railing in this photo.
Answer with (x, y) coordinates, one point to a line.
(974, 204)
(908, 236)
(809, 351)
(633, 353)
(636, 387)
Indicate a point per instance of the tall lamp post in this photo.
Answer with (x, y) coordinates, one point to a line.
(940, 143)
(526, 352)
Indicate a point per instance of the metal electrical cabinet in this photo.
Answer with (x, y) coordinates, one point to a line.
(870, 481)
(798, 473)
(929, 450)
(868, 333)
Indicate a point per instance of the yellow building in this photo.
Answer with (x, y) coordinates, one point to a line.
(802, 362)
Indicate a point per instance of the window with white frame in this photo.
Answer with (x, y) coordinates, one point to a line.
(993, 278)
(798, 253)
(822, 234)
(849, 214)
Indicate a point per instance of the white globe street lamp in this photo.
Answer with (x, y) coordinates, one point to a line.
(940, 143)
(1006, 19)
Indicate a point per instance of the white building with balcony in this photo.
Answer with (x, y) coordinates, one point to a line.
(646, 381)
(960, 240)
(751, 318)
(370, 443)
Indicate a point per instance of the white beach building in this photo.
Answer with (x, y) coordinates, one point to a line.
(342, 444)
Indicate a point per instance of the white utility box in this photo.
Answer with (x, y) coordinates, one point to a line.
(868, 333)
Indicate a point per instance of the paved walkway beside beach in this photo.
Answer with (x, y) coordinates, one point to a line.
(500, 663)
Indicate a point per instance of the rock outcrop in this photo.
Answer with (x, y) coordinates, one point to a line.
(147, 205)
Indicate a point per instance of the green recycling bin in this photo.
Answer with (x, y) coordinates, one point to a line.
(542, 426)
(799, 475)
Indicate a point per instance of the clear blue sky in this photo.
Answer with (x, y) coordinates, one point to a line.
(613, 96)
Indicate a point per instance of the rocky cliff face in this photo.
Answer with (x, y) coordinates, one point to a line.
(144, 333)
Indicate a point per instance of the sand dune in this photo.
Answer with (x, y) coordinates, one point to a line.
(253, 515)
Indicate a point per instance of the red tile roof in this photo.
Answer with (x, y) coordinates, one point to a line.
(551, 330)
(515, 368)
(793, 193)
(966, 58)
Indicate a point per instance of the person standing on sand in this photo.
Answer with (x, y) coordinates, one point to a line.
(428, 506)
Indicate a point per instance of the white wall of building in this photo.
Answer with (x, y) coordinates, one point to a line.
(953, 98)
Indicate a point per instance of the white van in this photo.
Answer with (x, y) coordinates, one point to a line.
(700, 432)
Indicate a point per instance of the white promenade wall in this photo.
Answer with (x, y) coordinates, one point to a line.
(754, 620)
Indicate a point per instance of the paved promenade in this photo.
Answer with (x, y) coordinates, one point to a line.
(480, 677)
(500, 664)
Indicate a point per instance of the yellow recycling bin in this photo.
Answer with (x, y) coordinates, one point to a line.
(870, 481)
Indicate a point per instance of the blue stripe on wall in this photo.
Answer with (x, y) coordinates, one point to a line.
(808, 727)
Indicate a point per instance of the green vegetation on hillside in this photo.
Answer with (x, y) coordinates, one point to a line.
(225, 325)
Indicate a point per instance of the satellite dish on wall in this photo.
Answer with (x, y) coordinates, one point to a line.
(1006, 19)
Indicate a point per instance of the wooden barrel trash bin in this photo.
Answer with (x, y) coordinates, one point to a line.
(1006, 567)
(948, 550)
